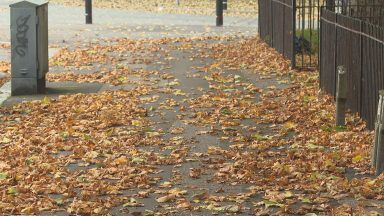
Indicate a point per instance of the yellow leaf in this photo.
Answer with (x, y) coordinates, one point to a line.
(45, 100)
(137, 123)
(290, 125)
(357, 158)
(121, 160)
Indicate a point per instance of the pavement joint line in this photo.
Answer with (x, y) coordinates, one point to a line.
(5, 92)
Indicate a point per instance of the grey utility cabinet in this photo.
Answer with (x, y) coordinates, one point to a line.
(29, 42)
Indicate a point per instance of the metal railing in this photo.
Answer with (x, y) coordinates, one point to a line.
(291, 27)
(358, 45)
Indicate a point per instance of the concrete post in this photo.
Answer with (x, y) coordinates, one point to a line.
(219, 13)
(29, 42)
(378, 125)
(88, 11)
(378, 149)
(341, 95)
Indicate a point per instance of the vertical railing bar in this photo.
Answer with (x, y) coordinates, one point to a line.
(361, 69)
(283, 6)
(336, 56)
(320, 46)
(293, 33)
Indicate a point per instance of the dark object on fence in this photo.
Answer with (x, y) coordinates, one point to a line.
(29, 42)
(219, 13)
(291, 27)
(225, 4)
(88, 11)
(378, 141)
(302, 45)
(341, 95)
(359, 46)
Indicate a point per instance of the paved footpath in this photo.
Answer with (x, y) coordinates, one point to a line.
(67, 24)
(193, 135)
(67, 28)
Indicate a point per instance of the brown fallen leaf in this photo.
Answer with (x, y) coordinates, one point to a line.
(195, 172)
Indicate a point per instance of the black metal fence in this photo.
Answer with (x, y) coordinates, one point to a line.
(349, 39)
(291, 27)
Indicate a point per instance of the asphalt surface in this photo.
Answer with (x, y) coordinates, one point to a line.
(67, 24)
(67, 28)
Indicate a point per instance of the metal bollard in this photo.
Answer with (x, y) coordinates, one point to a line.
(341, 95)
(88, 11)
(219, 13)
(378, 125)
(378, 149)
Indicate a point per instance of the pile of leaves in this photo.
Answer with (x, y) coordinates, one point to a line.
(251, 54)
(247, 8)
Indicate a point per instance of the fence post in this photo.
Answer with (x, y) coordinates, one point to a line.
(219, 13)
(341, 95)
(88, 11)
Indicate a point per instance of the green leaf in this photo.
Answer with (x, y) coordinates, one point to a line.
(243, 66)
(138, 160)
(12, 190)
(229, 90)
(225, 111)
(313, 146)
(3, 176)
(120, 66)
(29, 161)
(148, 213)
(305, 200)
(59, 202)
(340, 128)
(87, 137)
(269, 203)
(326, 128)
(179, 92)
(259, 137)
